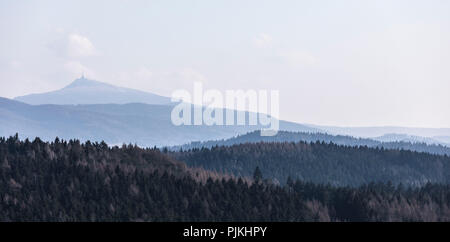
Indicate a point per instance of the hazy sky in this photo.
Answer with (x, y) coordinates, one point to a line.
(348, 63)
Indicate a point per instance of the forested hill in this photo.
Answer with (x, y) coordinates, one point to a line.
(322, 163)
(70, 181)
(288, 136)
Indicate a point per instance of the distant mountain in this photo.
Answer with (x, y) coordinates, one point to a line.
(143, 124)
(371, 132)
(85, 91)
(285, 136)
(408, 138)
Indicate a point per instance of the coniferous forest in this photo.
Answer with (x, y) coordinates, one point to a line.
(322, 163)
(73, 181)
(343, 140)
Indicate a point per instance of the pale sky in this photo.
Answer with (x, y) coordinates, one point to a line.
(346, 63)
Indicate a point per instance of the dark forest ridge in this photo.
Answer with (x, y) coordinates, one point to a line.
(321, 162)
(72, 181)
(286, 136)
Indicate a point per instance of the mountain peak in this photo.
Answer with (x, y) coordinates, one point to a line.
(84, 82)
(86, 91)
